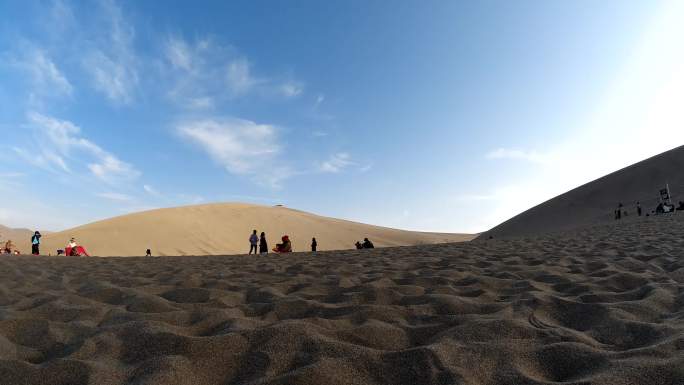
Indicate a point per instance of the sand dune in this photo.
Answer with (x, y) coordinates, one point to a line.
(20, 237)
(224, 229)
(598, 306)
(594, 202)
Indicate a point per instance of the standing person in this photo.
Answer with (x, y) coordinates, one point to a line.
(314, 244)
(35, 243)
(148, 253)
(367, 244)
(263, 246)
(619, 211)
(253, 242)
(638, 209)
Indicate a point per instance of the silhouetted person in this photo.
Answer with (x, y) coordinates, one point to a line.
(619, 211)
(35, 243)
(314, 244)
(367, 244)
(638, 209)
(263, 246)
(148, 253)
(253, 242)
(358, 245)
(681, 206)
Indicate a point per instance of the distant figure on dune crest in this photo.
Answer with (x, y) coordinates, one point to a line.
(148, 253)
(358, 245)
(263, 245)
(35, 243)
(253, 242)
(367, 244)
(681, 206)
(314, 244)
(285, 247)
(638, 209)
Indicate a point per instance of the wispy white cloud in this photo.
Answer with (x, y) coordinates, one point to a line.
(11, 174)
(45, 77)
(336, 163)
(113, 65)
(291, 89)
(114, 196)
(60, 140)
(151, 190)
(203, 73)
(241, 146)
(239, 77)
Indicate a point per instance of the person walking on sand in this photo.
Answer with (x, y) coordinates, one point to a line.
(367, 244)
(263, 245)
(35, 243)
(148, 253)
(638, 209)
(253, 242)
(314, 244)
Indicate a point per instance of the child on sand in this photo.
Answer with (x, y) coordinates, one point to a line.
(253, 241)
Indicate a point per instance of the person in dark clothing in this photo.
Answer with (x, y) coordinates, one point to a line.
(314, 244)
(253, 242)
(35, 243)
(638, 209)
(619, 211)
(148, 253)
(367, 244)
(358, 245)
(263, 246)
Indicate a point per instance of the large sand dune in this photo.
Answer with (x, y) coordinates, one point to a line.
(600, 306)
(224, 229)
(20, 238)
(595, 201)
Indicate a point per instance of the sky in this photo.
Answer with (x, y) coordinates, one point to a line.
(448, 116)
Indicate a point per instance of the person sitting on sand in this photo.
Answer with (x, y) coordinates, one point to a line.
(285, 247)
(8, 247)
(681, 206)
(263, 245)
(148, 253)
(358, 245)
(367, 244)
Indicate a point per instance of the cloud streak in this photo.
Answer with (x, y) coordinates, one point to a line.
(61, 140)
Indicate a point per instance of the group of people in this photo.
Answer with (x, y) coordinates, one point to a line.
(662, 208)
(366, 244)
(259, 243)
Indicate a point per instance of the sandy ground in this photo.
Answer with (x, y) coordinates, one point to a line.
(224, 228)
(604, 305)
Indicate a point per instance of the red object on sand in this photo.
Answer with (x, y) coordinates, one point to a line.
(80, 251)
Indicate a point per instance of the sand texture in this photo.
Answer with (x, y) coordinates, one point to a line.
(604, 305)
(215, 229)
(595, 202)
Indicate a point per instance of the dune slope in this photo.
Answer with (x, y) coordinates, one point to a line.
(600, 306)
(20, 237)
(224, 229)
(595, 201)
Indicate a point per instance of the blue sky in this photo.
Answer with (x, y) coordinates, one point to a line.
(438, 115)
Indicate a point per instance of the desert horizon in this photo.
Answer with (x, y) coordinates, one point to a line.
(341, 193)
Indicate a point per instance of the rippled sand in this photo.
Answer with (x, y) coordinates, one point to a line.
(603, 305)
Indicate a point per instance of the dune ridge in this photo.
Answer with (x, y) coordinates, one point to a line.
(601, 305)
(224, 228)
(594, 203)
